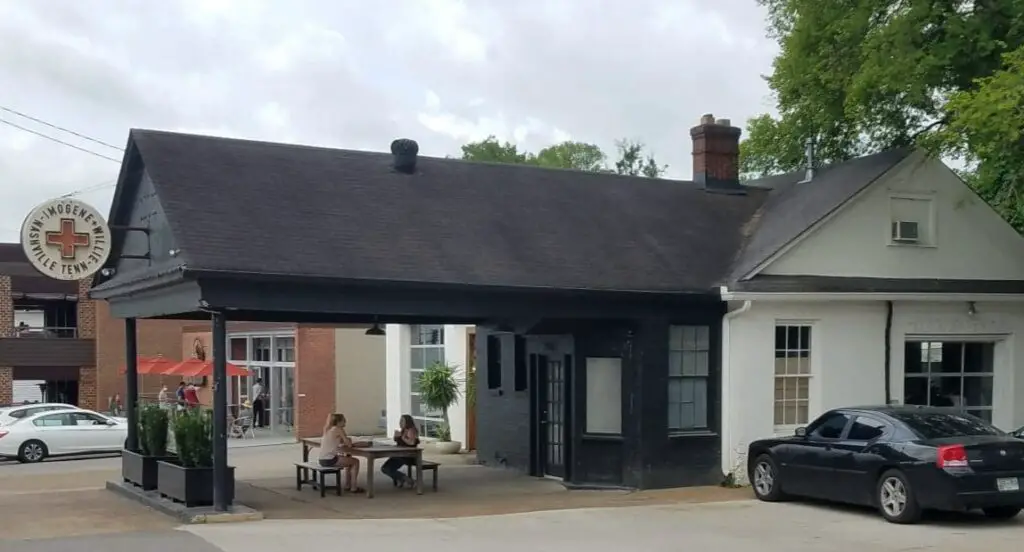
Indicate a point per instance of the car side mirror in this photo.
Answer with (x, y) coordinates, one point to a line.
(800, 432)
(110, 423)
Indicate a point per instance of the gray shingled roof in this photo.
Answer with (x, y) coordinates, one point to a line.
(258, 207)
(246, 206)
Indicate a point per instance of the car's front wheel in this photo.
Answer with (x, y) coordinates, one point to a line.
(896, 500)
(31, 452)
(1001, 512)
(764, 477)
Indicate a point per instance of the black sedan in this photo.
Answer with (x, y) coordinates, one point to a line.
(900, 459)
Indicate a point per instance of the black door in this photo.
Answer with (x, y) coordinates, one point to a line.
(552, 375)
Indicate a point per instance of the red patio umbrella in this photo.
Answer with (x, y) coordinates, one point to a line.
(151, 365)
(195, 368)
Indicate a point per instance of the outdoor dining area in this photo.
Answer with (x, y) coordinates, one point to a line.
(315, 475)
(189, 368)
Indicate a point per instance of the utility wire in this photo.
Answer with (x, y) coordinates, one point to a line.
(60, 128)
(93, 188)
(59, 141)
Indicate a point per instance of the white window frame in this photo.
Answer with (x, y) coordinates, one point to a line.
(926, 229)
(252, 366)
(809, 376)
(414, 374)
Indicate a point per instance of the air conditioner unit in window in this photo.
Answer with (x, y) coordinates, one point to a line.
(905, 231)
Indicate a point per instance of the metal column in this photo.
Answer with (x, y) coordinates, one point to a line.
(131, 378)
(221, 481)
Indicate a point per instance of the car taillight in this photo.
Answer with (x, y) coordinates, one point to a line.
(2, 432)
(952, 456)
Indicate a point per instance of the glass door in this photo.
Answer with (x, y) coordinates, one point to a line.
(286, 391)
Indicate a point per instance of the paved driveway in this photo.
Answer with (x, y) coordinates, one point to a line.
(722, 526)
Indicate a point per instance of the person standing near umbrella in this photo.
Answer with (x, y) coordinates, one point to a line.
(259, 408)
(180, 395)
(191, 396)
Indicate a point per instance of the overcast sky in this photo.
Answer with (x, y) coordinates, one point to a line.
(359, 73)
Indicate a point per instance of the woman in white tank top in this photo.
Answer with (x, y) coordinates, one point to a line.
(332, 451)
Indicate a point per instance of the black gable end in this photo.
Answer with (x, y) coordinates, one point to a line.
(143, 245)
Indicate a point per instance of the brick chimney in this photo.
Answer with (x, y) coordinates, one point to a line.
(716, 155)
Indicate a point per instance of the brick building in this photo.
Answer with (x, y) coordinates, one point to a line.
(72, 348)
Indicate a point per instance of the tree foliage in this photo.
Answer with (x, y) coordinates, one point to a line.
(633, 159)
(861, 76)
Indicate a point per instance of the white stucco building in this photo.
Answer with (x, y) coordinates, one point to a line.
(410, 349)
(908, 292)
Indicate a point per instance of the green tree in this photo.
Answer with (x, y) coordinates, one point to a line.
(860, 76)
(491, 150)
(632, 156)
(571, 155)
(635, 162)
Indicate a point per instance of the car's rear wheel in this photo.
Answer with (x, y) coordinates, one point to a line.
(1001, 512)
(32, 451)
(896, 500)
(764, 477)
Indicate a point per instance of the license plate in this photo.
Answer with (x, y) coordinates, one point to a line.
(1008, 484)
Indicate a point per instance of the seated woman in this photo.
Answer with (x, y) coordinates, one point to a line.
(332, 451)
(405, 436)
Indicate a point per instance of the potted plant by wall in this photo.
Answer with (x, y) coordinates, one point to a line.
(140, 468)
(188, 478)
(439, 390)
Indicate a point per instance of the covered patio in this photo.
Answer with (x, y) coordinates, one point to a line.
(547, 263)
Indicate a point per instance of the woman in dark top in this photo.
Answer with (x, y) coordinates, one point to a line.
(405, 436)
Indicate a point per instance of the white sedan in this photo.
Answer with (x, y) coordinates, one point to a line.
(61, 433)
(11, 414)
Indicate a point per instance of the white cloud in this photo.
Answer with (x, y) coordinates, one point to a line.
(356, 74)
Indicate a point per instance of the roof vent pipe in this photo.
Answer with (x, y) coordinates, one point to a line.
(809, 161)
(403, 153)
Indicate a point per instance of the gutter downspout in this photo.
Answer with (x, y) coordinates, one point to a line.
(725, 392)
(888, 352)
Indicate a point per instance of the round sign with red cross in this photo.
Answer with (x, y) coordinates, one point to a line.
(66, 239)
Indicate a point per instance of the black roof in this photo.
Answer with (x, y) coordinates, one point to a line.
(265, 208)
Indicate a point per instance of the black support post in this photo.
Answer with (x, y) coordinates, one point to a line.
(221, 482)
(131, 379)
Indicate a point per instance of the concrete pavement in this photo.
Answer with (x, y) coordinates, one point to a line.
(745, 525)
(63, 499)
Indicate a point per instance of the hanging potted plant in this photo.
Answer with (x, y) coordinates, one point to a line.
(188, 478)
(140, 467)
(439, 390)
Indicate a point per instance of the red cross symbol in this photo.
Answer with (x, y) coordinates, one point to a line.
(68, 240)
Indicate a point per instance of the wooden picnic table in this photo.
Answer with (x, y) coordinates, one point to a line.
(371, 454)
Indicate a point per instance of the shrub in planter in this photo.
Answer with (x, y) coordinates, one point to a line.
(439, 390)
(189, 478)
(139, 467)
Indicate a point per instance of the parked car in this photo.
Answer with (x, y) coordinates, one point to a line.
(61, 433)
(900, 459)
(11, 414)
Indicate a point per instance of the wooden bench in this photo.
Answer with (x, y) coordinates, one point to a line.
(427, 466)
(319, 480)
